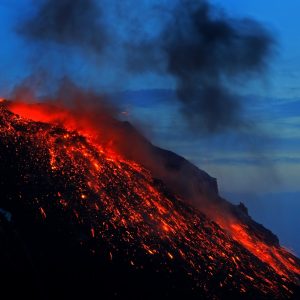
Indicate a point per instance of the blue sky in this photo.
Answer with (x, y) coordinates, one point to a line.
(259, 166)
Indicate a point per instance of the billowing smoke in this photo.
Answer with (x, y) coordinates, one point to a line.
(70, 22)
(206, 52)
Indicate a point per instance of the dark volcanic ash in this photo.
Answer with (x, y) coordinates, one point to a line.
(199, 46)
(70, 22)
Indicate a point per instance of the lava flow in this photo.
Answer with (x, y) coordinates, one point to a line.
(126, 220)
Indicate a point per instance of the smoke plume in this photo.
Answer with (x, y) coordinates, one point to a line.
(70, 22)
(205, 51)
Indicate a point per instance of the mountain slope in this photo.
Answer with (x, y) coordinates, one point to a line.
(89, 222)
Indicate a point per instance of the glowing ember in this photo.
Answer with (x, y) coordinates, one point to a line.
(119, 202)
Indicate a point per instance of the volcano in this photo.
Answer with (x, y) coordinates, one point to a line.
(81, 220)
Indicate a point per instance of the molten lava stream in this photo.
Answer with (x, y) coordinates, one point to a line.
(126, 195)
(276, 257)
(72, 119)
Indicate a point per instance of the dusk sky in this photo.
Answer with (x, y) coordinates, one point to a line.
(258, 164)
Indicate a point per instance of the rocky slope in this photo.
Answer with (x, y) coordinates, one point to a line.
(87, 223)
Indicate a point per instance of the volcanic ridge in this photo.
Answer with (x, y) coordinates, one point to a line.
(79, 220)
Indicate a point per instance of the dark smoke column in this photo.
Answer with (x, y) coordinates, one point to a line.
(203, 49)
(206, 51)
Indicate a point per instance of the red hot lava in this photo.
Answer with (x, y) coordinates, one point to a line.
(141, 211)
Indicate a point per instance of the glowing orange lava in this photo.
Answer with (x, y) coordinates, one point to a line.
(126, 194)
(277, 257)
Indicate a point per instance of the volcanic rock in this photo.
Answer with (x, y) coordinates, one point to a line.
(90, 224)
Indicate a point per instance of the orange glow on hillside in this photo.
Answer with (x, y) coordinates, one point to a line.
(125, 192)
